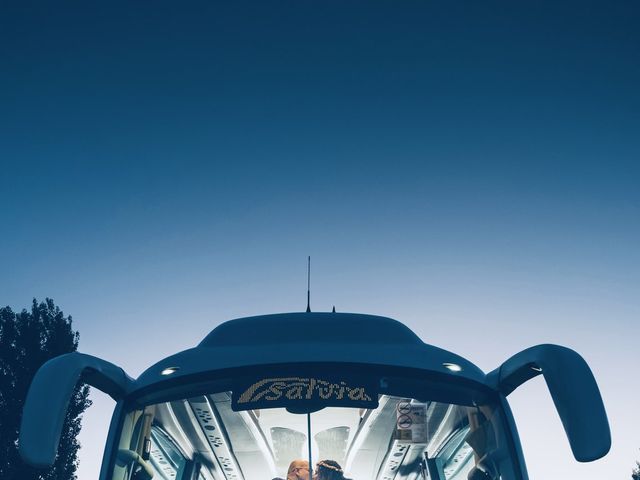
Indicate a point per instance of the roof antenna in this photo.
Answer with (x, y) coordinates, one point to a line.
(309, 284)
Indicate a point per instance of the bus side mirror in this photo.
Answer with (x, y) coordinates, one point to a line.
(574, 392)
(48, 399)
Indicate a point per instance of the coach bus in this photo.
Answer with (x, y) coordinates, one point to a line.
(358, 396)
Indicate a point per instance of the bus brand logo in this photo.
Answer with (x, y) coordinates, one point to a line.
(273, 392)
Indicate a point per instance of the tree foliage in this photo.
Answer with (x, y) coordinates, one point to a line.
(635, 474)
(27, 340)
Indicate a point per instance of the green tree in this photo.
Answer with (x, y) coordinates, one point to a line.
(635, 474)
(27, 340)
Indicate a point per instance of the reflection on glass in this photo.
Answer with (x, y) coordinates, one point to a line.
(203, 438)
(166, 459)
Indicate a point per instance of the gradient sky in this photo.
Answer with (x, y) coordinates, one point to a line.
(469, 168)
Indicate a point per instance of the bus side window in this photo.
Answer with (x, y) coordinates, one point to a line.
(165, 457)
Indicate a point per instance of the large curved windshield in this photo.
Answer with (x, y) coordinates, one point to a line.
(206, 437)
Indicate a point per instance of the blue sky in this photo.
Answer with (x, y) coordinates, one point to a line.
(469, 169)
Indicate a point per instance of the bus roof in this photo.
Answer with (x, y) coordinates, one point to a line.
(318, 337)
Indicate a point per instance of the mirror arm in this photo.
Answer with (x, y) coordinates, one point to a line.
(573, 389)
(517, 370)
(48, 398)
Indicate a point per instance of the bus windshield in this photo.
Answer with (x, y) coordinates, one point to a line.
(205, 438)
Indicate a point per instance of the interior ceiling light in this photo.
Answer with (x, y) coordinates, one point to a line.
(169, 371)
(454, 367)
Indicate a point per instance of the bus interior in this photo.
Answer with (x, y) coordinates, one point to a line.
(205, 438)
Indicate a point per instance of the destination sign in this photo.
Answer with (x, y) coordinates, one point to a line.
(299, 393)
